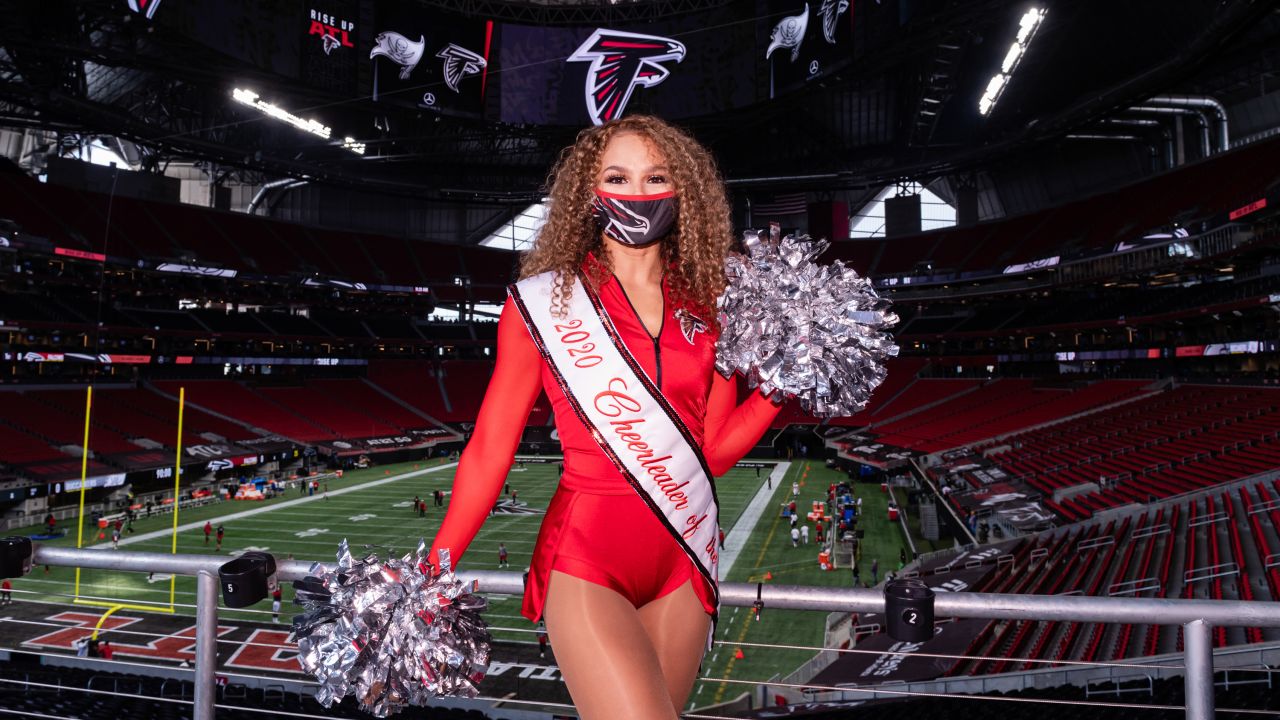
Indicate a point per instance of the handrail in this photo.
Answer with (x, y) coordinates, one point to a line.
(1198, 617)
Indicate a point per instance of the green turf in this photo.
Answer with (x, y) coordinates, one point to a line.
(769, 550)
(376, 515)
(312, 530)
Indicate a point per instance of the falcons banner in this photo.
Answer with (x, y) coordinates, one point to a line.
(329, 56)
(801, 41)
(429, 61)
(620, 63)
(591, 75)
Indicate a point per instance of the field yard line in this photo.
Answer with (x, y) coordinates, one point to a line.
(269, 508)
(737, 537)
(764, 547)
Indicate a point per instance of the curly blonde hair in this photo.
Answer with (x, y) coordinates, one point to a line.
(693, 252)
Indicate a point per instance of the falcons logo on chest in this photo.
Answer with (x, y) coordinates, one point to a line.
(621, 62)
(690, 324)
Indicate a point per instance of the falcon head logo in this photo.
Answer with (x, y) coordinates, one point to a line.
(459, 62)
(145, 7)
(621, 62)
(399, 50)
(788, 33)
(330, 42)
(624, 224)
(690, 324)
(831, 10)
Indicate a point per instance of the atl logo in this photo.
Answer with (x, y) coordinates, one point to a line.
(332, 31)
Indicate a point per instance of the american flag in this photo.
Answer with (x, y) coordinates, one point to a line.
(778, 205)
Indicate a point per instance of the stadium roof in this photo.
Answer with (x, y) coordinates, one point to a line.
(902, 106)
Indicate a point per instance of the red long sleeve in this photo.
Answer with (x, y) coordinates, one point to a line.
(488, 456)
(730, 430)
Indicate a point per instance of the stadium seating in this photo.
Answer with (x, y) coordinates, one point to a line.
(18, 447)
(199, 239)
(999, 407)
(147, 230)
(60, 425)
(417, 384)
(195, 420)
(411, 381)
(921, 393)
(465, 381)
(359, 396)
(1074, 312)
(132, 413)
(1158, 446)
(1211, 546)
(230, 398)
(150, 230)
(325, 411)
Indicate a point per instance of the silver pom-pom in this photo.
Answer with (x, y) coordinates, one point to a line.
(814, 332)
(391, 633)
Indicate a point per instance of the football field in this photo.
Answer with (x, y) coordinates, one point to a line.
(769, 557)
(374, 508)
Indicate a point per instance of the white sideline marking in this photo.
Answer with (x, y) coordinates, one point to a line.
(736, 539)
(287, 503)
(251, 548)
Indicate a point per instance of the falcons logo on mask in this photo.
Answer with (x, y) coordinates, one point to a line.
(621, 62)
(690, 324)
(399, 50)
(459, 62)
(831, 11)
(789, 33)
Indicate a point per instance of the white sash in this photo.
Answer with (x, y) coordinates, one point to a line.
(634, 424)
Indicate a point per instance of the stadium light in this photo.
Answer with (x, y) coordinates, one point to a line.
(1027, 27)
(315, 127)
(353, 145)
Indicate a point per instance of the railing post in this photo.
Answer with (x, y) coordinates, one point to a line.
(206, 643)
(1197, 643)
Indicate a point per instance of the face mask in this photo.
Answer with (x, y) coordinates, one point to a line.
(635, 220)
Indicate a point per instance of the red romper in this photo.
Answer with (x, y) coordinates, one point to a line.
(597, 528)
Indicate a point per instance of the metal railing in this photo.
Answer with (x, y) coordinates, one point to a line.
(1197, 617)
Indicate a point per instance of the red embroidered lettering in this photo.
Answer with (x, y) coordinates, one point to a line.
(626, 426)
(694, 523)
(612, 403)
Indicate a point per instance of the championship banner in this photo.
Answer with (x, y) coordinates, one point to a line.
(635, 426)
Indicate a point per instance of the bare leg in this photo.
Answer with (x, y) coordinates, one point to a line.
(604, 652)
(678, 627)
